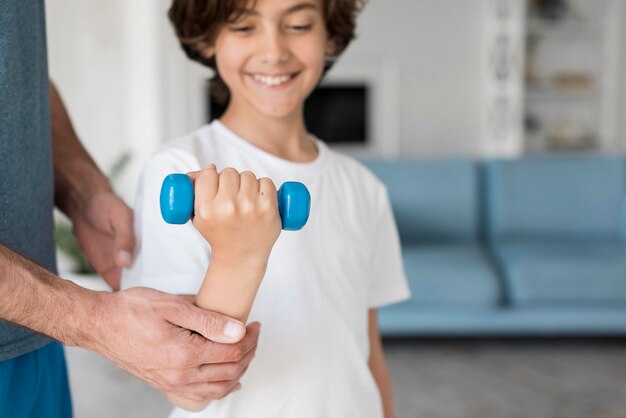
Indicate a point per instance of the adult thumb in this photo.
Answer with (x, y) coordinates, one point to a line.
(213, 326)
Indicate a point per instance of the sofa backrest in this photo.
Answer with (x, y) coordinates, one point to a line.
(434, 200)
(565, 196)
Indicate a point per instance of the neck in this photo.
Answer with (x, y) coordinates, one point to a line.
(285, 137)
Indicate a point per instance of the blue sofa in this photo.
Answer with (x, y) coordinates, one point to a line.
(527, 246)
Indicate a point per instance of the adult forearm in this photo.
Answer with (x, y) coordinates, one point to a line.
(34, 298)
(76, 175)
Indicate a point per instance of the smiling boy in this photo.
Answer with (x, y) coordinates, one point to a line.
(320, 353)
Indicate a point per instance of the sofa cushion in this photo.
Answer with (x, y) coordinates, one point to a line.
(557, 196)
(576, 272)
(433, 200)
(451, 274)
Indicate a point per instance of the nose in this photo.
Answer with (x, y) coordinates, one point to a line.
(273, 47)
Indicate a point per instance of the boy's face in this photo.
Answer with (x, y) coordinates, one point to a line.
(272, 57)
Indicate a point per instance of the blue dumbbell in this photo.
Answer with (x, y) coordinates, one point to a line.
(294, 202)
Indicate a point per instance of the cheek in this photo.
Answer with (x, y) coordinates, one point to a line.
(312, 53)
(229, 61)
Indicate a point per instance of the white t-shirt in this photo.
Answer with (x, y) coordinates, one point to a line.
(312, 356)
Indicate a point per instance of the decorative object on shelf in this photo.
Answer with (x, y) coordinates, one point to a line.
(503, 34)
(553, 10)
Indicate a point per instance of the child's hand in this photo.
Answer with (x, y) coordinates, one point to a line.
(237, 214)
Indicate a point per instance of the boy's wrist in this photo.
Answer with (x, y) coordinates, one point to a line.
(236, 262)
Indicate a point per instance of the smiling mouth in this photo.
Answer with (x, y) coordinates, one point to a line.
(273, 81)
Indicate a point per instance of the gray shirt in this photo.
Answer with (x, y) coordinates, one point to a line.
(26, 173)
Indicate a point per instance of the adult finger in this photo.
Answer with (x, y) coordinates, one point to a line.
(199, 393)
(210, 352)
(221, 371)
(211, 325)
(123, 235)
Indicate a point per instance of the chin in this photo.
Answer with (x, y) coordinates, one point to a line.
(278, 111)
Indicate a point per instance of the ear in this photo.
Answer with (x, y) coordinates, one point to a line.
(208, 52)
(331, 47)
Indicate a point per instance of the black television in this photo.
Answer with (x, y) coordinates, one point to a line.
(335, 113)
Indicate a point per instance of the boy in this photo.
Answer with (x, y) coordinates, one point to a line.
(320, 353)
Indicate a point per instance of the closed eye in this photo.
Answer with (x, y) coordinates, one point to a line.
(240, 29)
(300, 27)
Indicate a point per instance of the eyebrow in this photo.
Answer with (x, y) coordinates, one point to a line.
(292, 9)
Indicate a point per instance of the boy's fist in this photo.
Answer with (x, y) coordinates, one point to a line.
(236, 213)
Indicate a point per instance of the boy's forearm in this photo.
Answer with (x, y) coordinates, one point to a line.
(76, 175)
(230, 286)
(34, 298)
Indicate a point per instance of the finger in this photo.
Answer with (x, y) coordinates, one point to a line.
(249, 186)
(124, 236)
(267, 191)
(205, 391)
(193, 175)
(205, 188)
(211, 352)
(211, 325)
(229, 183)
(221, 371)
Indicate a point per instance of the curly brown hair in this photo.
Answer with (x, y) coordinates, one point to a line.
(197, 22)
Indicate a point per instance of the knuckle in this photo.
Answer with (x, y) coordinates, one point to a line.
(248, 174)
(228, 208)
(211, 323)
(229, 171)
(176, 378)
(181, 357)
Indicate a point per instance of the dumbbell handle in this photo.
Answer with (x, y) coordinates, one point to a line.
(294, 202)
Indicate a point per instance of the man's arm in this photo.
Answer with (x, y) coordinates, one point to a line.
(102, 222)
(378, 366)
(162, 339)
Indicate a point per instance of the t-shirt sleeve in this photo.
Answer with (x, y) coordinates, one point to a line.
(388, 280)
(170, 258)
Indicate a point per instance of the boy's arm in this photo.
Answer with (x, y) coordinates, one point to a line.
(238, 216)
(378, 366)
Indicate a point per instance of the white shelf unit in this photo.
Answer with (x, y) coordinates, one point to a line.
(572, 75)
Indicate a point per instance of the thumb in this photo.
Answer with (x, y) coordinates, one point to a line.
(124, 237)
(213, 326)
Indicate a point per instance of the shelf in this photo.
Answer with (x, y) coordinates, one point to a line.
(557, 95)
(566, 30)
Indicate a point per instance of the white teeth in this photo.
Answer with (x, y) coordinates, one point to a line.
(272, 81)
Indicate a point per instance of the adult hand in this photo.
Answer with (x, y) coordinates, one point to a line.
(173, 345)
(104, 229)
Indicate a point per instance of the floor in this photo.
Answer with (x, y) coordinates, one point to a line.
(529, 378)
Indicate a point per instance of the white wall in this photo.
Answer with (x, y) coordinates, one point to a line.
(85, 58)
(104, 58)
(436, 45)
